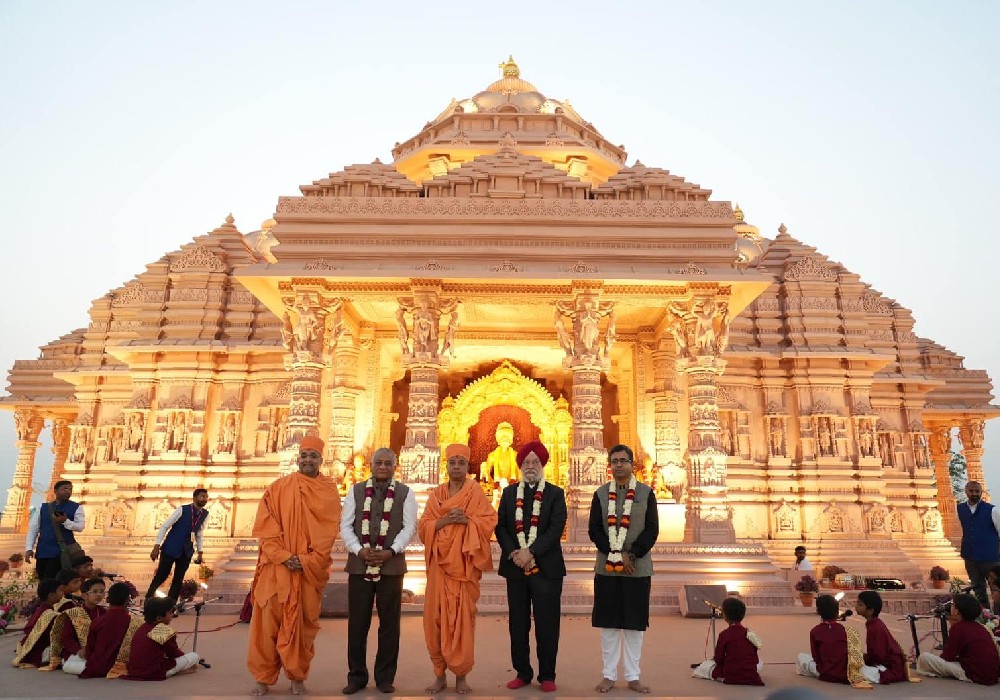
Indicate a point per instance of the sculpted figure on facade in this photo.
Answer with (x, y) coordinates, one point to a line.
(136, 430)
(700, 329)
(565, 339)
(335, 334)
(177, 430)
(404, 336)
(448, 344)
(825, 437)
(425, 314)
(610, 335)
(307, 328)
(228, 430)
(866, 438)
(80, 443)
(920, 451)
(586, 313)
(777, 436)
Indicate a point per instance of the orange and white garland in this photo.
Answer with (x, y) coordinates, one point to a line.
(617, 531)
(525, 541)
(374, 573)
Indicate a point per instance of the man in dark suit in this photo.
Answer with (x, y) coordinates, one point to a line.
(532, 516)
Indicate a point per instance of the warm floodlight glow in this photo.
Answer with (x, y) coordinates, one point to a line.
(160, 594)
(839, 597)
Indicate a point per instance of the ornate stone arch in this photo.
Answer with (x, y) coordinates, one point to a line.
(507, 386)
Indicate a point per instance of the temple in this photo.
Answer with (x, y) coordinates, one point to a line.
(508, 272)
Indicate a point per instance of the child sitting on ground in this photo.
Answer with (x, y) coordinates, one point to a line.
(31, 650)
(885, 661)
(735, 661)
(154, 654)
(69, 587)
(69, 633)
(970, 654)
(104, 640)
(836, 652)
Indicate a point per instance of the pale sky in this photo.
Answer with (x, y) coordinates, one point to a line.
(868, 128)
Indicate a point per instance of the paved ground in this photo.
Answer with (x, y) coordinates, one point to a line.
(671, 645)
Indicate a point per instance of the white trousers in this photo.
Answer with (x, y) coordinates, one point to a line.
(189, 660)
(805, 665)
(705, 668)
(929, 664)
(74, 664)
(872, 674)
(611, 652)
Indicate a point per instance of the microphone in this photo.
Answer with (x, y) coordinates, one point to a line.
(109, 575)
(844, 615)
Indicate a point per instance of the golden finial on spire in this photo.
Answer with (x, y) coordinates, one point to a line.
(509, 69)
(738, 213)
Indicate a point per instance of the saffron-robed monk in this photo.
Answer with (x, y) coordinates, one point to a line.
(297, 523)
(455, 528)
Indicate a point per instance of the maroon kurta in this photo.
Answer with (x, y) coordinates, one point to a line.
(70, 643)
(884, 650)
(828, 642)
(971, 645)
(104, 641)
(149, 660)
(33, 657)
(736, 658)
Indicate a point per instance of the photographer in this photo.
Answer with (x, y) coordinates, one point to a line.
(61, 512)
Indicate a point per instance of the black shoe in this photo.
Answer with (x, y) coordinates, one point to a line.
(387, 688)
(352, 688)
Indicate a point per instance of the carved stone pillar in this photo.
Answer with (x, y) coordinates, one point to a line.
(701, 332)
(343, 394)
(28, 425)
(424, 354)
(60, 449)
(940, 445)
(665, 418)
(303, 337)
(970, 432)
(586, 356)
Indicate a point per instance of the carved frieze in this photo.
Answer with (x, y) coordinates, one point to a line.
(809, 268)
(198, 258)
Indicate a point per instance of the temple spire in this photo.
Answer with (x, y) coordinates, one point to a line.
(509, 68)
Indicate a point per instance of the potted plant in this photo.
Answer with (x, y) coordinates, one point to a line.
(830, 572)
(205, 572)
(807, 588)
(16, 559)
(939, 577)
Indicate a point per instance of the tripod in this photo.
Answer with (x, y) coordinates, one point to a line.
(939, 612)
(197, 622)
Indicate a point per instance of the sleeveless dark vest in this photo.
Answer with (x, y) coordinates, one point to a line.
(396, 566)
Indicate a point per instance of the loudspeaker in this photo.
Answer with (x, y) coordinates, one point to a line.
(693, 599)
(334, 603)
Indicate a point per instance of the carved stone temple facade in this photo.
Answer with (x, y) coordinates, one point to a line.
(509, 266)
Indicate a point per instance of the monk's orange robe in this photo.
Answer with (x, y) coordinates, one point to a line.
(456, 556)
(300, 516)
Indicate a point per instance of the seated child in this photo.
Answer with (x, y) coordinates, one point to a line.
(885, 661)
(69, 633)
(154, 654)
(970, 654)
(104, 640)
(735, 661)
(836, 652)
(69, 586)
(31, 650)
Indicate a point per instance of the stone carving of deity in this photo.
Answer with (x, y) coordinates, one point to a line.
(727, 440)
(565, 339)
(866, 438)
(876, 519)
(177, 429)
(896, 521)
(227, 433)
(276, 429)
(836, 520)
(80, 443)
(21, 425)
(920, 451)
(825, 437)
(704, 331)
(423, 327)
(448, 345)
(586, 313)
(500, 466)
(932, 521)
(307, 327)
(136, 431)
(777, 435)
(404, 336)
(588, 330)
(610, 335)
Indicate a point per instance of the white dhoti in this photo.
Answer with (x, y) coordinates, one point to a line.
(74, 664)
(189, 660)
(805, 665)
(929, 664)
(611, 651)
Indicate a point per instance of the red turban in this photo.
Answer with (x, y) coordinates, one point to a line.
(311, 442)
(456, 450)
(534, 446)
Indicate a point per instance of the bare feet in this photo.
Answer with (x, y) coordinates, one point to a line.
(462, 686)
(439, 684)
(299, 688)
(258, 689)
(605, 685)
(638, 687)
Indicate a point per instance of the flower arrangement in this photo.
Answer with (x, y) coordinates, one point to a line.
(15, 557)
(205, 572)
(8, 611)
(189, 589)
(939, 573)
(988, 620)
(830, 572)
(11, 596)
(133, 592)
(807, 584)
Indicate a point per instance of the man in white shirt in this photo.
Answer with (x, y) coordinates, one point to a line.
(42, 541)
(173, 543)
(378, 520)
(980, 538)
(802, 566)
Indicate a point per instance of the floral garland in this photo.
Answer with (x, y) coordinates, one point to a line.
(536, 508)
(617, 531)
(374, 573)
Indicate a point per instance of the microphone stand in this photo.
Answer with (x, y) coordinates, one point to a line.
(197, 620)
(716, 614)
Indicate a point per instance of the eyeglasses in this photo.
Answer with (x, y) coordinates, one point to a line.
(620, 461)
